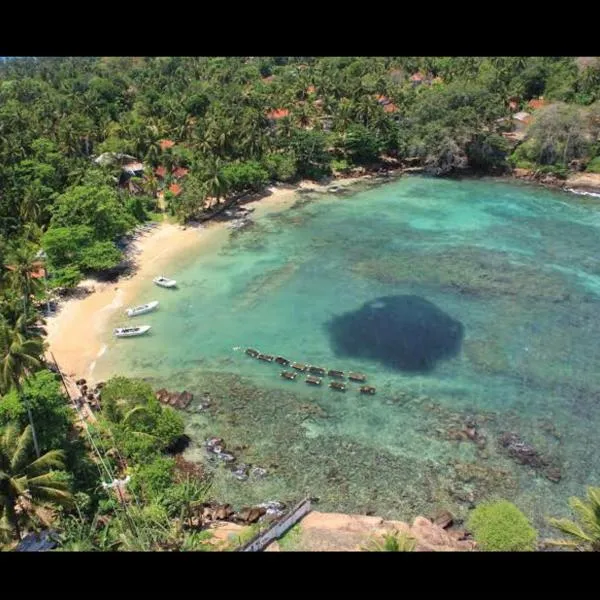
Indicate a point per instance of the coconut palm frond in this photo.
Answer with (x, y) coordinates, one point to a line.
(54, 459)
(51, 494)
(21, 446)
(571, 528)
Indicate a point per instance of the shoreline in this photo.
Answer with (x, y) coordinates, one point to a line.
(76, 330)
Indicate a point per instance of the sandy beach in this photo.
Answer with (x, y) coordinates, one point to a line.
(76, 333)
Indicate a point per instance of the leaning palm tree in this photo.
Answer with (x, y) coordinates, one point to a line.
(586, 533)
(18, 357)
(26, 487)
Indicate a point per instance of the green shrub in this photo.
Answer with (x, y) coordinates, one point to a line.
(153, 479)
(49, 409)
(501, 527)
(594, 165)
(340, 166)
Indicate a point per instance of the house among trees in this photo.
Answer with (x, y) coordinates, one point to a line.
(166, 144)
(537, 103)
(279, 113)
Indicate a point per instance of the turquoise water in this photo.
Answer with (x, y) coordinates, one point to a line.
(457, 299)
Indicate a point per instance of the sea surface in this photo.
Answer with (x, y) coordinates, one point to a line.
(469, 305)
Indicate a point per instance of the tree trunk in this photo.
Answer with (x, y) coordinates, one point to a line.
(33, 433)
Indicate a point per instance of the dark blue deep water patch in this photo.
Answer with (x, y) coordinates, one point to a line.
(407, 333)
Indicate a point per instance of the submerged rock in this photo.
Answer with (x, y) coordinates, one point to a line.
(521, 451)
(241, 472)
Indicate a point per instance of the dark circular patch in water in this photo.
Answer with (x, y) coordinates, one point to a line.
(407, 333)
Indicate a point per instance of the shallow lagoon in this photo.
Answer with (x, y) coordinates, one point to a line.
(492, 291)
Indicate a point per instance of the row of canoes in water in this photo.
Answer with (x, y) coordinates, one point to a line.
(314, 373)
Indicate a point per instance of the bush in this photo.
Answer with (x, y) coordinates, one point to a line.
(121, 394)
(49, 409)
(281, 167)
(594, 165)
(340, 166)
(501, 527)
(153, 479)
(247, 175)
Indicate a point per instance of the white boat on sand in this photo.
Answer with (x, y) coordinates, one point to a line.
(131, 331)
(142, 309)
(163, 281)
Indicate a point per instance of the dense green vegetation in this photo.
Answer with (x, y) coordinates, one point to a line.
(219, 127)
(501, 527)
(73, 132)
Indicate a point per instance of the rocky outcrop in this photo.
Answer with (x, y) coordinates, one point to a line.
(180, 400)
(584, 182)
(340, 532)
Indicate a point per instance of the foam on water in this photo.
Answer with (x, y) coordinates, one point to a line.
(457, 299)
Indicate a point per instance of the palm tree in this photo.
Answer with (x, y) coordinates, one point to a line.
(27, 487)
(587, 531)
(18, 357)
(20, 276)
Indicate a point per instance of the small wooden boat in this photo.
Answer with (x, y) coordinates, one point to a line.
(298, 366)
(282, 361)
(165, 282)
(313, 380)
(142, 309)
(357, 377)
(131, 331)
(265, 357)
(317, 371)
(334, 373)
(337, 385)
(252, 352)
(367, 389)
(289, 375)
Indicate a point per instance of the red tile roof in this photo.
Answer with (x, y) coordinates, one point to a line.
(165, 144)
(180, 172)
(175, 189)
(160, 171)
(311, 89)
(417, 77)
(382, 99)
(536, 103)
(390, 108)
(278, 113)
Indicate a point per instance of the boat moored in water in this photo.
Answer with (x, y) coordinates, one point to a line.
(288, 375)
(298, 366)
(367, 389)
(282, 361)
(313, 380)
(357, 377)
(337, 385)
(142, 309)
(317, 370)
(334, 373)
(131, 331)
(265, 357)
(252, 352)
(165, 282)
